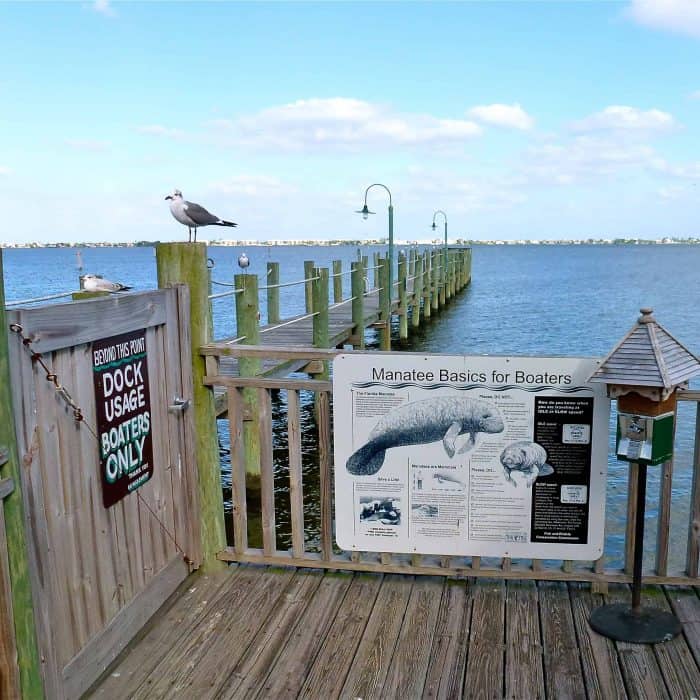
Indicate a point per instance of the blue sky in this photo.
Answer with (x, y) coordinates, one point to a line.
(519, 119)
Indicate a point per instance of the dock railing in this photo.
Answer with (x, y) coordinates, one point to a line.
(324, 554)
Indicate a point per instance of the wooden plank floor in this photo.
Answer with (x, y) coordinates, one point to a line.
(258, 632)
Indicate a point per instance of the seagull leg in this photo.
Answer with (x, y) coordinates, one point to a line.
(195, 234)
(189, 230)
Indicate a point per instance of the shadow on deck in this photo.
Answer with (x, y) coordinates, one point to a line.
(287, 633)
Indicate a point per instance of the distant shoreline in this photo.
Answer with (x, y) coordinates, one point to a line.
(337, 242)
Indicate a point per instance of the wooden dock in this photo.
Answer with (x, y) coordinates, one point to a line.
(255, 632)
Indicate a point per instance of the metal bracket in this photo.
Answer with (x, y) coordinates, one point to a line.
(179, 405)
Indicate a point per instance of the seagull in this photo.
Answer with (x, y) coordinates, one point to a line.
(96, 283)
(243, 261)
(193, 215)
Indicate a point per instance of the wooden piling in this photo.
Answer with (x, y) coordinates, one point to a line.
(442, 280)
(19, 605)
(248, 328)
(403, 306)
(320, 319)
(427, 284)
(384, 305)
(435, 272)
(187, 263)
(417, 292)
(375, 270)
(357, 281)
(308, 274)
(337, 281)
(273, 292)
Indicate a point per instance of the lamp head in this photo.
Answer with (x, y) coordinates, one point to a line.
(364, 211)
(434, 226)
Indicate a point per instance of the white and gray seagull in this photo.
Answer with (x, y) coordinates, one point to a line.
(193, 215)
(97, 283)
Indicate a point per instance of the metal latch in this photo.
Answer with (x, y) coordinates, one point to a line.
(179, 405)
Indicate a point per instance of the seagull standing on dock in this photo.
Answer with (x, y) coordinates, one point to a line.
(193, 215)
(97, 283)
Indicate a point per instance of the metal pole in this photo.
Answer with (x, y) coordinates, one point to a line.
(639, 537)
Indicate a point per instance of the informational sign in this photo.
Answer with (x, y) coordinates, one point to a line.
(123, 405)
(470, 456)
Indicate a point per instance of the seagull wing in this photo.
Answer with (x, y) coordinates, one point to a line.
(200, 215)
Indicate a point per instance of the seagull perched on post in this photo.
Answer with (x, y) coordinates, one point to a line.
(97, 283)
(193, 215)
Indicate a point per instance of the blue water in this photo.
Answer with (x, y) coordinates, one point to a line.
(527, 300)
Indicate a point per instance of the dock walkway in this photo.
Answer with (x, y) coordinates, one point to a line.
(255, 632)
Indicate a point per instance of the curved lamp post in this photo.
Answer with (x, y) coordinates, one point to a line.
(365, 213)
(434, 227)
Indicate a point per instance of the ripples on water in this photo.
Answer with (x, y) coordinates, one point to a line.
(523, 300)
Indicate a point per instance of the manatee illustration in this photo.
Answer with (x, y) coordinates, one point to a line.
(526, 457)
(443, 418)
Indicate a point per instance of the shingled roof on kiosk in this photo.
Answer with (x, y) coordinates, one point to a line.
(650, 358)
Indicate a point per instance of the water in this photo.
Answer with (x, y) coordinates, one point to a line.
(523, 300)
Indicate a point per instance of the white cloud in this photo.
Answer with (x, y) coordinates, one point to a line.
(684, 171)
(510, 116)
(159, 130)
(264, 186)
(695, 95)
(681, 16)
(4, 170)
(104, 7)
(629, 119)
(340, 123)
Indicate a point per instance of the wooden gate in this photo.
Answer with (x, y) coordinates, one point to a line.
(98, 573)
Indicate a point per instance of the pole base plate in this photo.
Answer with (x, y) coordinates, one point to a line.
(643, 626)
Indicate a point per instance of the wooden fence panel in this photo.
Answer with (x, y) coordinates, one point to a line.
(9, 681)
(98, 573)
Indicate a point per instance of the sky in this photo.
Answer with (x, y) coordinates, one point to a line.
(520, 120)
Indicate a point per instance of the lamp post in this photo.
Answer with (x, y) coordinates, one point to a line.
(365, 213)
(444, 264)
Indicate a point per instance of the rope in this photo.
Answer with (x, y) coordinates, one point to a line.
(220, 295)
(290, 284)
(341, 303)
(286, 323)
(46, 298)
(224, 284)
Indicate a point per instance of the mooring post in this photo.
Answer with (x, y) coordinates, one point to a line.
(435, 274)
(357, 281)
(337, 281)
(412, 262)
(427, 284)
(273, 292)
(320, 310)
(308, 274)
(468, 266)
(187, 263)
(403, 306)
(384, 305)
(375, 270)
(248, 328)
(417, 292)
(17, 556)
(442, 280)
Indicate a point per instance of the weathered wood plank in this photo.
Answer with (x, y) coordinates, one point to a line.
(686, 606)
(57, 326)
(296, 486)
(252, 668)
(238, 485)
(228, 625)
(371, 665)
(325, 487)
(267, 482)
(338, 649)
(409, 664)
(485, 663)
(448, 657)
(524, 673)
(268, 383)
(601, 670)
(563, 673)
(639, 665)
(180, 615)
(291, 667)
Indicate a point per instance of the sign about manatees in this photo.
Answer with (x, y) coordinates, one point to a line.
(470, 456)
(123, 405)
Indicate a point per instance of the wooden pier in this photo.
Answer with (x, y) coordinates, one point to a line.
(294, 633)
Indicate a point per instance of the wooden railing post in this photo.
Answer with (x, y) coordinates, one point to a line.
(427, 284)
(384, 304)
(187, 263)
(435, 281)
(273, 293)
(417, 292)
(337, 281)
(17, 563)
(403, 306)
(320, 319)
(248, 328)
(308, 274)
(357, 281)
